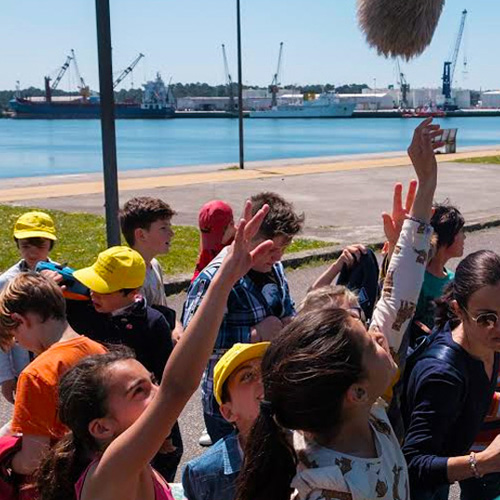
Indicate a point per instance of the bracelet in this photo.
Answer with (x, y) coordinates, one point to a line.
(473, 465)
(415, 219)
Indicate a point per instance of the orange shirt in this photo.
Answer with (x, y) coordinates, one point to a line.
(35, 408)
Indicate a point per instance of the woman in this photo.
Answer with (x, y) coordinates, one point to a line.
(447, 399)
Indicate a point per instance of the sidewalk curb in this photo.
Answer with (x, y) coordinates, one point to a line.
(181, 282)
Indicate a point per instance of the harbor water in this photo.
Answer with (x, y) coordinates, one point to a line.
(57, 147)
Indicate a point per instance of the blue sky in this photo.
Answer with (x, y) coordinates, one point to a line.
(181, 39)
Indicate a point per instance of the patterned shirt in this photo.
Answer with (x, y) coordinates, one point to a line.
(246, 306)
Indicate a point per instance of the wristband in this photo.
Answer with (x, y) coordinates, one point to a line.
(415, 219)
(473, 465)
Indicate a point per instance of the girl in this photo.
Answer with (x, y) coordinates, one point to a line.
(216, 224)
(119, 419)
(447, 400)
(324, 377)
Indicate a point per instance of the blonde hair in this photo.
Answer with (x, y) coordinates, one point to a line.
(328, 296)
(28, 293)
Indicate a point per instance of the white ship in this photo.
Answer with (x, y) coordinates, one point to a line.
(326, 105)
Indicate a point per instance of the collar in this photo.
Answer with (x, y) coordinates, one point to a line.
(136, 308)
(232, 454)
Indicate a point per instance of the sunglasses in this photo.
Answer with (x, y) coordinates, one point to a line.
(484, 320)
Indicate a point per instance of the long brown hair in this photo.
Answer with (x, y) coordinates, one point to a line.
(306, 373)
(83, 396)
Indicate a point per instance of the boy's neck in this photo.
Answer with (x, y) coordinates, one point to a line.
(436, 266)
(145, 252)
(55, 331)
(130, 301)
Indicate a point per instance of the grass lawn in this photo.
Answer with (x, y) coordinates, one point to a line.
(484, 159)
(83, 236)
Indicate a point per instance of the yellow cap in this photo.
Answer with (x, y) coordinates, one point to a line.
(35, 225)
(114, 269)
(236, 356)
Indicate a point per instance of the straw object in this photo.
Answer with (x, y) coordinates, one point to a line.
(399, 27)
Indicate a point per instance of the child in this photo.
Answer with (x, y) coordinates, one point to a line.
(32, 310)
(325, 374)
(34, 235)
(216, 223)
(147, 227)
(122, 316)
(119, 418)
(238, 390)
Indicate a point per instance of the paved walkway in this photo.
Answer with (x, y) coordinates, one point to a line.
(342, 197)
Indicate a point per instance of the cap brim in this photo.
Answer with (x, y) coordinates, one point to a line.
(22, 235)
(251, 352)
(88, 277)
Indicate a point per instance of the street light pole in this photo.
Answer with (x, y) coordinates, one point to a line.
(107, 105)
(240, 88)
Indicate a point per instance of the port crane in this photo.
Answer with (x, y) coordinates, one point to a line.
(404, 86)
(48, 87)
(82, 86)
(274, 87)
(229, 81)
(127, 70)
(449, 66)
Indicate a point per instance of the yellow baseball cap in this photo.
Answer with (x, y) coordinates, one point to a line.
(114, 269)
(236, 356)
(35, 225)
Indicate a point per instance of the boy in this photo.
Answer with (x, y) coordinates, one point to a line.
(35, 236)
(33, 312)
(259, 304)
(238, 390)
(120, 315)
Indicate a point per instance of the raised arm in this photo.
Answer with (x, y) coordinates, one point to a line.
(407, 267)
(129, 453)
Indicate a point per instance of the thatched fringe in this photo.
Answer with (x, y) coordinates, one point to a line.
(399, 27)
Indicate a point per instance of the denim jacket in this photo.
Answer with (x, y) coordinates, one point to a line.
(212, 476)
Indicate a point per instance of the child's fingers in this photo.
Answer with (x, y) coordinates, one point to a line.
(255, 222)
(410, 196)
(247, 210)
(397, 200)
(262, 250)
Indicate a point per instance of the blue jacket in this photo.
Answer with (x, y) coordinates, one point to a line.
(212, 476)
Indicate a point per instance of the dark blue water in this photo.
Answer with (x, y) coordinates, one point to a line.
(51, 147)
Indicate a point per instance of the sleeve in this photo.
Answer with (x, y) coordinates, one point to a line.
(189, 484)
(195, 295)
(403, 282)
(289, 304)
(436, 402)
(35, 408)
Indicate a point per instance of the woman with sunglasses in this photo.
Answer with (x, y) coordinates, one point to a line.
(448, 396)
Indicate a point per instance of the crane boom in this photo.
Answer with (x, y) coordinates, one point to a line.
(127, 70)
(273, 88)
(63, 69)
(82, 87)
(403, 86)
(229, 80)
(449, 66)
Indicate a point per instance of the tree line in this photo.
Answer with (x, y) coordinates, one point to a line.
(187, 89)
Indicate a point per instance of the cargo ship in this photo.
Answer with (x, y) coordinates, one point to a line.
(157, 101)
(326, 105)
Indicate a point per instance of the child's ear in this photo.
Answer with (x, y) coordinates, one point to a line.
(227, 412)
(101, 429)
(356, 394)
(457, 310)
(21, 319)
(139, 234)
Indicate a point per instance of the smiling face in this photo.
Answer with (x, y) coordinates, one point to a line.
(130, 392)
(245, 392)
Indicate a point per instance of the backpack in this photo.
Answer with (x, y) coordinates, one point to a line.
(425, 349)
(9, 446)
(362, 278)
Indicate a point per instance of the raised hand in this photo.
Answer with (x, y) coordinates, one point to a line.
(242, 255)
(422, 149)
(393, 223)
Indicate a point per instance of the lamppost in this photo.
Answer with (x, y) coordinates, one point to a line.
(108, 133)
(240, 87)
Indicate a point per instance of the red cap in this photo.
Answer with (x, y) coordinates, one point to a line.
(213, 219)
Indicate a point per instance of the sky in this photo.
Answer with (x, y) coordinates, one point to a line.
(182, 40)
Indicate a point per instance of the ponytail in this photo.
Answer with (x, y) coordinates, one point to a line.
(270, 461)
(60, 469)
(444, 312)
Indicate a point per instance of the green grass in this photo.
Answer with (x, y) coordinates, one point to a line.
(82, 236)
(495, 160)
